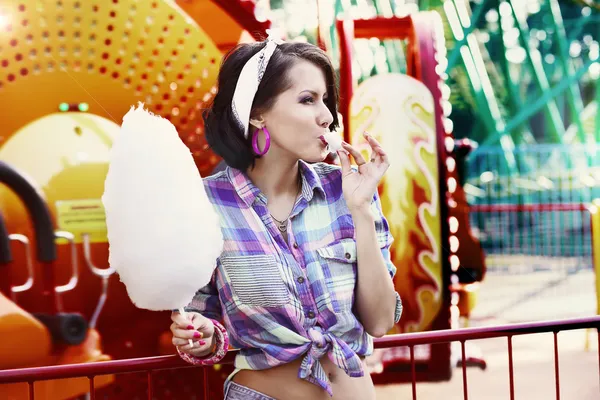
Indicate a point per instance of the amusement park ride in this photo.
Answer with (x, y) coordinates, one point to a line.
(71, 69)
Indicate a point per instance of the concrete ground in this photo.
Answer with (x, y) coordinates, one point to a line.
(530, 296)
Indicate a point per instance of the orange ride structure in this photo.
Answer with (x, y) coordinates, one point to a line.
(69, 70)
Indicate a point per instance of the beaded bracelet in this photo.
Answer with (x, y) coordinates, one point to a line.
(221, 347)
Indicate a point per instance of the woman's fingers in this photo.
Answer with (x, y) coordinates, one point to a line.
(360, 160)
(378, 155)
(378, 152)
(185, 343)
(344, 162)
(180, 320)
(202, 324)
(187, 333)
(190, 341)
(200, 348)
(200, 332)
(192, 320)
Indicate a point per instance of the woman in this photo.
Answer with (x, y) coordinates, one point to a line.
(304, 279)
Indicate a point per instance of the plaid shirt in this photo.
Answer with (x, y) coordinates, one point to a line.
(279, 301)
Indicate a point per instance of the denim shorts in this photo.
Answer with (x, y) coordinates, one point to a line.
(235, 391)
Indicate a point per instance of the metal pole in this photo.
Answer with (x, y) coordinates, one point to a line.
(536, 105)
(573, 95)
(556, 128)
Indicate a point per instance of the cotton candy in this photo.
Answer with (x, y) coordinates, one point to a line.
(334, 141)
(164, 234)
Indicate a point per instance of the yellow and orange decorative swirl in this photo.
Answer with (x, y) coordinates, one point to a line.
(399, 112)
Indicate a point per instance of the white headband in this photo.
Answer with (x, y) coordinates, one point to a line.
(248, 82)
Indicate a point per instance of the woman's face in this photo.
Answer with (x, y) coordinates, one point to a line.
(299, 117)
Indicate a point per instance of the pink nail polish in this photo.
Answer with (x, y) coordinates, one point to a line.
(202, 342)
(190, 326)
(197, 334)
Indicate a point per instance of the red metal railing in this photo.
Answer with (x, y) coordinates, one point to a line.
(149, 365)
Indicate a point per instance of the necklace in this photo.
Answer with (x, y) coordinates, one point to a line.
(282, 225)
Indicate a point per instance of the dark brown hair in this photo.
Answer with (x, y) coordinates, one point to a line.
(223, 133)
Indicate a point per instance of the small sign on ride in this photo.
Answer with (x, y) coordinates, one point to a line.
(82, 216)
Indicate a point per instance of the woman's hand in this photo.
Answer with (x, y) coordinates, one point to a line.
(196, 327)
(359, 186)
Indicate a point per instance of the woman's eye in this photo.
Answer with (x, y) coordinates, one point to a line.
(307, 100)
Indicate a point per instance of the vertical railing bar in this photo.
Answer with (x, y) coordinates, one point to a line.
(511, 376)
(579, 243)
(150, 385)
(205, 378)
(413, 372)
(31, 390)
(92, 389)
(598, 331)
(464, 370)
(556, 373)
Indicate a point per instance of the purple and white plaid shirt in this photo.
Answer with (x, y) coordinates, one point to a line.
(279, 301)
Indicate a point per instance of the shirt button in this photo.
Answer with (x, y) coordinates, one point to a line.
(295, 245)
(300, 279)
(310, 314)
(348, 256)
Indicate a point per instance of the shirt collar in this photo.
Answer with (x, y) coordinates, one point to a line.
(311, 181)
(243, 186)
(249, 193)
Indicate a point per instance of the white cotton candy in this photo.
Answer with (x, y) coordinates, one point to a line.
(334, 140)
(163, 232)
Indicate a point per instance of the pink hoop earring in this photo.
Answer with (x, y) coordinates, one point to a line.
(255, 142)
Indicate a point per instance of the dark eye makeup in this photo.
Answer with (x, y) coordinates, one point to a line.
(307, 100)
(310, 99)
